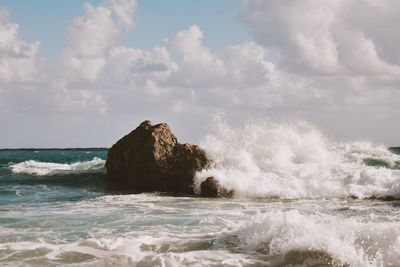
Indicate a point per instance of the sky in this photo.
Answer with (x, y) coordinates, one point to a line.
(84, 73)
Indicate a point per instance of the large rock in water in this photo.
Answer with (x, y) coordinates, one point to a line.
(151, 159)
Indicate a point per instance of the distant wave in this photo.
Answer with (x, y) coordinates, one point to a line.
(38, 168)
(57, 149)
(295, 160)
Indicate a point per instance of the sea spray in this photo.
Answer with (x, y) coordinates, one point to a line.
(295, 160)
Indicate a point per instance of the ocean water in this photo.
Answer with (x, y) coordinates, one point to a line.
(300, 199)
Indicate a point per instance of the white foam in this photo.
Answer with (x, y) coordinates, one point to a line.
(295, 160)
(352, 241)
(152, 230)
(49, 168)
(121, 251)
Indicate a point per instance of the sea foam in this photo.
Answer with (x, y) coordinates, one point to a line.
(38, 168)
(343, 240)
(295, 160)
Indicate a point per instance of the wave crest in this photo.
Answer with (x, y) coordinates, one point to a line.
(38, 168)
(295, 160)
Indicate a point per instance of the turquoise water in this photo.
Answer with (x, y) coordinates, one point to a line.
(26, 187)
(55, 210)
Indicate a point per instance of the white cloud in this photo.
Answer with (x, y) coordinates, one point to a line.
(92, 36)
(198, 67)
(328, 37)
(300, 30)
(124, 11)
(80, 101)
(234, 67)
(138, 67)
(78, 82)
(328, 61)
(247, 65)
(334, 44)
(19, 61)
(185, 70)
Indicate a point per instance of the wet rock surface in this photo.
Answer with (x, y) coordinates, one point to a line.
(151, 159)
(211, 188)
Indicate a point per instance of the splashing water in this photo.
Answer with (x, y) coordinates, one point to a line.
(295, 160)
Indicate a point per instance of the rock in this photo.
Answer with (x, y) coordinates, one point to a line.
(151, 159)
(312, 258)
(211, 188)
(186, 160)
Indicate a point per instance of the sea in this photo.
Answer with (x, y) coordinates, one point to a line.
(301, 198)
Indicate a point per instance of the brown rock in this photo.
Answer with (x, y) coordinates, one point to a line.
(211, 188)
(186, 160)
(151, 159)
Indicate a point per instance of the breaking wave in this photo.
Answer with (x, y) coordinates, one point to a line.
(150, 230)
(32, 167)
(328, 240)
(295, 160)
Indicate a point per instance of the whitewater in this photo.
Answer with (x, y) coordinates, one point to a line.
(300, 199)
(295, 160)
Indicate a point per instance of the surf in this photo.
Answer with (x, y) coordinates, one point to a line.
(295, 160)
(38, 168)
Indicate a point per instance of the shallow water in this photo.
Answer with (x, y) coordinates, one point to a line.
(292, 207)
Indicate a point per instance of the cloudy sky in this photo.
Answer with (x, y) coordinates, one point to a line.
(83, 73)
